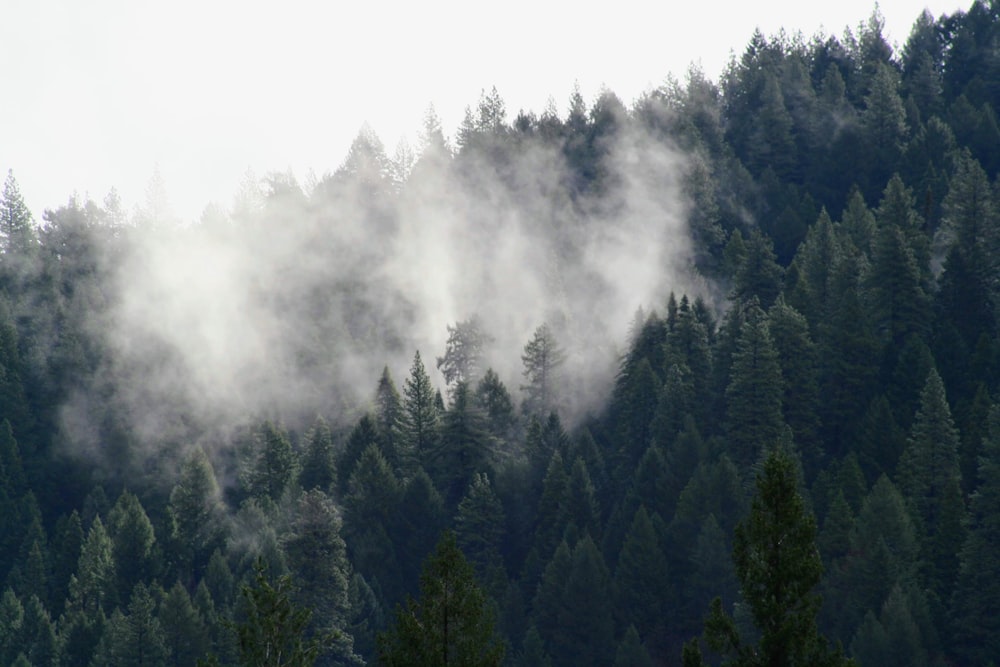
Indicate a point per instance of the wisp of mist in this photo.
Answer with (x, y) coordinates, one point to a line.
(290, 304)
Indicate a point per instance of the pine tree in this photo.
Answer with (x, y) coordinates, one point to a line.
(778, 567)
(584, 632)
(463, 358)
(753, 416)
(318, 470)
(273, 634)
(273, 466)
(930, 479)
(480, 528)
(17, 230)
(135, 639)
(195, 513)
(389, 419)
(185, 635)
(975, 603)
(450, 624)
(317, 557)
(542, 358)
(463, 448)
(631, 652)
(642, 582)
(420, 416)
(362, 436)
(133, 544)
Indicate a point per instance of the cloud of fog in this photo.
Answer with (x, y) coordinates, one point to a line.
(291, 304)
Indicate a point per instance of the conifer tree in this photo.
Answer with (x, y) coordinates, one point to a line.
(318, 470)
(195, 513)
(778, 567)
(450, 624)
(389, 420)
(317, 556)
(420, 416)
(754, 396)
(133, 544)
(930, 479)
(480, 527)
(273, 467)
(642, 581)
(542, 358)
(975, 603)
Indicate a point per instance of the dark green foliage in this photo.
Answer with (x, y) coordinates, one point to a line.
(480, 526)
(273, 466)
(318, 470)
(450, 624)
(317, 557)
(631, 652)
(133, 544)
(778, 567)
(195, 514)
(273, 634)
(494, 400)
(976, 597)
(389, 421)
(185, 635)
(754, 417)
(363, 435)
(542, 358)
(642, 582)
(136, 638)
(420, 415)
(463, 448)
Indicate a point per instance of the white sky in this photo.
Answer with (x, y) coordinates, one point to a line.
(97, 94)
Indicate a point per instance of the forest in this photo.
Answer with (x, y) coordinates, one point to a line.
(707, 378)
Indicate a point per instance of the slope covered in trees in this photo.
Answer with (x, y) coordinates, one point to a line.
(828, 213)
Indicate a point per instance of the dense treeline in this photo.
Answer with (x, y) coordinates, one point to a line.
(843, 197)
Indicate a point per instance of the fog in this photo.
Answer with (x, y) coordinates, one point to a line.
(290, 303)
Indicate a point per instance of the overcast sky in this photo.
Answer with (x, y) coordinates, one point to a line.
(98, 94)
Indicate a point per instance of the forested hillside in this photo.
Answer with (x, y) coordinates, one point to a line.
(569, 367)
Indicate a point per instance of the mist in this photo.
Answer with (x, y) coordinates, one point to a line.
(289, 304)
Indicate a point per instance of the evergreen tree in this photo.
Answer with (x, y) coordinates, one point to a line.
(273, 466)
(462, 449)
(497, 406)
(631, 652)
(195, 514)
(317, 556)
(420, 416)
(369, 509)
(975, 602)
(753, 415)
(480, 527)
(542, 358)
(419, 523)
(135, 639)
(450, 624)
(318, 470)
(92, 589)
(273, 634)
(185, 636)
(389, 419)
(642, 582)
(778, 567)
(17, 229)
(930, 479)
(584, 632)
(463, 357)
(362, 436)
(133, 544)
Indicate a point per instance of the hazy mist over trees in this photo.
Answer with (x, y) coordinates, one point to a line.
(708, 378)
